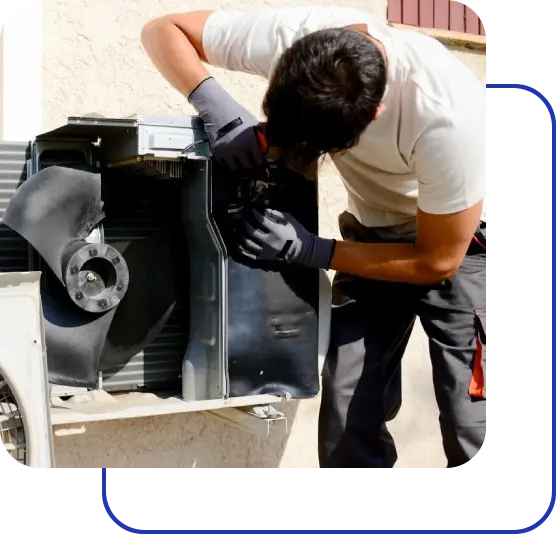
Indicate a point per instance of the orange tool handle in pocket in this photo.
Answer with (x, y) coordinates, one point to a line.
(262, 139)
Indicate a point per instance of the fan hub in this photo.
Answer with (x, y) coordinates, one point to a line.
(96, 277)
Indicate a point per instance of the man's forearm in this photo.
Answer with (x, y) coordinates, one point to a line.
(391, 262)
(173, 55)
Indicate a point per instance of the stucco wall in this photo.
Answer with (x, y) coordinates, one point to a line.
(93, 63)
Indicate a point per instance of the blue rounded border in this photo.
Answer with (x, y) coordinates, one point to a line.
(551, 503)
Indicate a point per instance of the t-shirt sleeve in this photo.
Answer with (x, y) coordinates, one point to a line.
(450, 164)
(245, 41)
(253, 41)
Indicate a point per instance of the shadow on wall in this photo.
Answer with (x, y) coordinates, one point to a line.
(182, 440)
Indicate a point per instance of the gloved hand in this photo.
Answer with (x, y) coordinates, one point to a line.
(229, 126)
(278, 236)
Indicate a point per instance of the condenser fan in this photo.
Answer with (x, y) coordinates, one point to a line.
(102, 303)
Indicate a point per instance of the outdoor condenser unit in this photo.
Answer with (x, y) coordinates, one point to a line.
(132, 227)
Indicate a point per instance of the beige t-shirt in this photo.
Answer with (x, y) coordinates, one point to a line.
(428, 148)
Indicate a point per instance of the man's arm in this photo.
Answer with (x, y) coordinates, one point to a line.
(175, 46)
(442, 241)
(441, 244)
(247, 41)
(449, 162)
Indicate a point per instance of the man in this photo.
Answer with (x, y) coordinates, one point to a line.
(403, 121)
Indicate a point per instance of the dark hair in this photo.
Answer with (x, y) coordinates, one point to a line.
(323, 93)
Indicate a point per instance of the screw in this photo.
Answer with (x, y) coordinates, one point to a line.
(93, 252)
(102, 303)
(74, 269)
(91, 277)
(79, 295)
(116, 260)
(120, 287)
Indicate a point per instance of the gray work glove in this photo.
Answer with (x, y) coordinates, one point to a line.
(229, 126)
(278, 236)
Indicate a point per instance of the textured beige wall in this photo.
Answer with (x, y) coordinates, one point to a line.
(93, 63)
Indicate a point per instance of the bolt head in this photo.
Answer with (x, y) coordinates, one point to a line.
(116, 260)
(79, 295)
(93, 252)
(102, 303)
(119, 287)
(74, 269)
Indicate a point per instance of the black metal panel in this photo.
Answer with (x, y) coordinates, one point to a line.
(272, 308)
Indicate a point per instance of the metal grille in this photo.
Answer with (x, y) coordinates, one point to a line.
(12, 431)
(137, 206)
(14, 254)
(151, 169)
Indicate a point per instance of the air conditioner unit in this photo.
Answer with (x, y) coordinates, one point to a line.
(147, 306)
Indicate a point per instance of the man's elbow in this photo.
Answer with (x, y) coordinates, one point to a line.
(155, 27)
(191, 25)
(151, 29)
(440, 269)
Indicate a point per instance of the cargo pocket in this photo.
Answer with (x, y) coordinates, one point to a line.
(477, 385)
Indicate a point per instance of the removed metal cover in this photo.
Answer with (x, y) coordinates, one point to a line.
(23, 363)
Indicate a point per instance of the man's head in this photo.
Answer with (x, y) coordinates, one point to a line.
(325, 90)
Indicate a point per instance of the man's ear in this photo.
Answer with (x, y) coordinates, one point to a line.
(379, 111)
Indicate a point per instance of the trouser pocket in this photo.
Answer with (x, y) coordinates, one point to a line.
(351, 229)
(477, 385)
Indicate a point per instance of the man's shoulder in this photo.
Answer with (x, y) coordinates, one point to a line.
(319, 17)
(446, 93)
(441, 119)
(302, 19)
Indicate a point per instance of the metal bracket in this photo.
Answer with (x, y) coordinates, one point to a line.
(257, 420)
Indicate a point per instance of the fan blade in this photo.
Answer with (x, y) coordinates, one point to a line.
(154, 266)
(74, 338)
(53, 208)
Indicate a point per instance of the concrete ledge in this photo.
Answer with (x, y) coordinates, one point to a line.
(467, 40)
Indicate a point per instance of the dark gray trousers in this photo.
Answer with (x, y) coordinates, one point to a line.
(371, 325)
